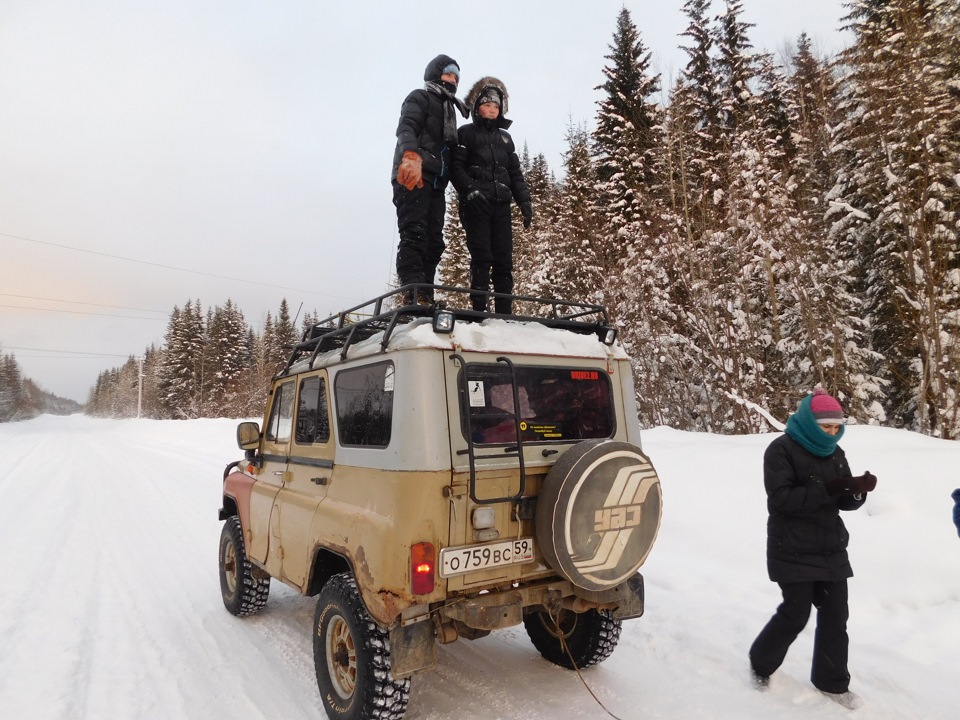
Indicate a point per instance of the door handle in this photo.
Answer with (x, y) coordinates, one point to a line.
(279, 472)
(319, 480)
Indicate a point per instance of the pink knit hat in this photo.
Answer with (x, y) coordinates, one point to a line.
(826, 410)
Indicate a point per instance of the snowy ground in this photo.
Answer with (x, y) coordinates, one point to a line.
(110, 605)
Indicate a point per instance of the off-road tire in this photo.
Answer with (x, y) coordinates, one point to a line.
(351, 656)
(243, 589)
(589, 637)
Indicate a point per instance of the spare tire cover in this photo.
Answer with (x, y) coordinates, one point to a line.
(598, 513)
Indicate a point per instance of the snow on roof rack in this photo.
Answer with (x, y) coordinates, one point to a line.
(384, 312)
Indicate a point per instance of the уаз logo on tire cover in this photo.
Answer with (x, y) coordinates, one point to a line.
(603, 513)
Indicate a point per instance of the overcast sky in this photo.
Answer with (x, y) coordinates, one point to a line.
(154, 152)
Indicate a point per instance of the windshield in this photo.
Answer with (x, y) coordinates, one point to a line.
(555, 404)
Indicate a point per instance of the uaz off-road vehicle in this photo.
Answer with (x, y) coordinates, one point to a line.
(434, 474)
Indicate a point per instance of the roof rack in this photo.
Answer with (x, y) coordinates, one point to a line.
(385, 312)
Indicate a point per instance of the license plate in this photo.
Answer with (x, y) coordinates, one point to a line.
(459, 560)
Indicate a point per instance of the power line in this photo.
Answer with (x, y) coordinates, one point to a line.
(70, 352)
(81, 312)
(81, 302)
(248, 281)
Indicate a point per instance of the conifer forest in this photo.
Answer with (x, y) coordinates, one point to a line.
(762, 226)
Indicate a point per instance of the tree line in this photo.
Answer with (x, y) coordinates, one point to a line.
(768, 227)
(755, 229)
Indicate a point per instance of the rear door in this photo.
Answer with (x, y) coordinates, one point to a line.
(554, 403)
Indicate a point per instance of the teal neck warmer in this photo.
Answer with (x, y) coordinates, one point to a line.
(803, 428)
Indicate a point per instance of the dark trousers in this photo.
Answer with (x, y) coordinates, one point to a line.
(490, 242)
(420, 214)
(830, 643)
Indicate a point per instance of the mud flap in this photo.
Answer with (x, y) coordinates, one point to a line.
(412, 649)
(627, 596)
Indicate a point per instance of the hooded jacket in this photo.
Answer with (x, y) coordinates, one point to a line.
(806, 539)
(485, 158)
(421, 126)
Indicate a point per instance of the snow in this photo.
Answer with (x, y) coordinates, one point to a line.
(110, 605)
(493, 334)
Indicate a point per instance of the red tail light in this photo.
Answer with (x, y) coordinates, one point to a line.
(422, 563)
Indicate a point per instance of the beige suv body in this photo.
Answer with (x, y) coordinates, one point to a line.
(435, 475)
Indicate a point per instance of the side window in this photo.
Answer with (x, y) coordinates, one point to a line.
(281, 414)
(313, 422)
(364, 398)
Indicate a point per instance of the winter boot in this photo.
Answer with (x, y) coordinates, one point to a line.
(849, 700)
(760, 682)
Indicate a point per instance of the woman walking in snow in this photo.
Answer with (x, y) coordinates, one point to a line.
(808, 483)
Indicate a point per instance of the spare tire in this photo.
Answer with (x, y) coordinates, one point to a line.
(598, 513)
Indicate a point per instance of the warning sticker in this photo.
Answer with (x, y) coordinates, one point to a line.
(475, 391)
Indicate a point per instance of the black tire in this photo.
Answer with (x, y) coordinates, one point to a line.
(244, 591)
(589, 637)
(351, 656)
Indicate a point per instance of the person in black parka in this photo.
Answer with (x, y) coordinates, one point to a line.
(425, 134)
(487, 175)
(808, 483)
(956, 509)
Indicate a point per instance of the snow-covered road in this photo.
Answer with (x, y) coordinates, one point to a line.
(110, 602)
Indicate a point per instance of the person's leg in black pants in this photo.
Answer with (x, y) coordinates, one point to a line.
(770, 647)
(501, 254)
(477, 225)
(831, 643)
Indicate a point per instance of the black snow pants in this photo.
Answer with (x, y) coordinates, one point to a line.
(830, 644)
(420, 214)
(490, 242)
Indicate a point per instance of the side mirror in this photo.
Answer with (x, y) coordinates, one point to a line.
(248, 436)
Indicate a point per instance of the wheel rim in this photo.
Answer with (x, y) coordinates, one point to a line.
(341, 657)
(230, 566)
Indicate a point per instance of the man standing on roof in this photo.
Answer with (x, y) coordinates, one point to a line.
(426, 132)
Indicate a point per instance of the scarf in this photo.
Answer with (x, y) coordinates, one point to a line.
(802, 426)
(449, 117)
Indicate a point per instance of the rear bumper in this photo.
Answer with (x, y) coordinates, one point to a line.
(413, 643)
(496, 610)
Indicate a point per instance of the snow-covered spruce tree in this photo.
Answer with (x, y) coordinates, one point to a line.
(626, 142)
(896, 198)
(181, 369)
(531, 246)
(225, 361)
(11, 390)
(454, 268)
(695, 115)
(571, 261)
(817, 328)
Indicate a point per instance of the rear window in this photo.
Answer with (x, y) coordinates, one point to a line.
(555, 405)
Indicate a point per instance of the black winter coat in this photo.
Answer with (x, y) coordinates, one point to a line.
(806, 539)
(486, 160)
(421, 129)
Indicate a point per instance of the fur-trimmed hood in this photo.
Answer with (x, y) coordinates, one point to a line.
(477, 90)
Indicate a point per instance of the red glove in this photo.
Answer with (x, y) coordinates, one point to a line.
(410, 172)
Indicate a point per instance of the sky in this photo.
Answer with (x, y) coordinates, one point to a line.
(110, 605)
(152, 153)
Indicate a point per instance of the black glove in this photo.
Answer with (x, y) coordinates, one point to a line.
(526, 210)
(478, 200)
(851, 486)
